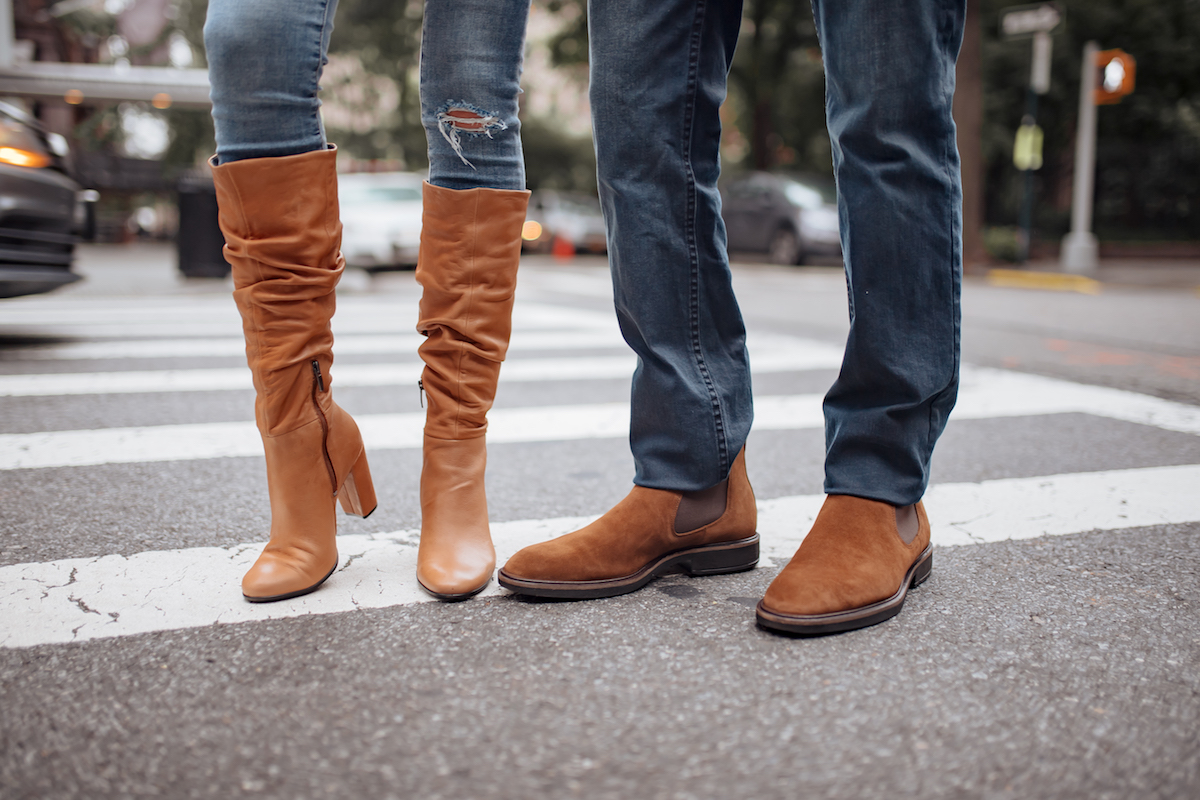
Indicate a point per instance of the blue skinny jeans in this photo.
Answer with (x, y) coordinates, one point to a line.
(658, 80)
(265, 59)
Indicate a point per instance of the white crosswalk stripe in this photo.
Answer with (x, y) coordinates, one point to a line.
(76, 599)
(809, 356)
(984, 394)
(89, 598)
(350, 344)
(209, 318)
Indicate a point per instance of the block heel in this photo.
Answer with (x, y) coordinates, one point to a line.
(357, 494)
(923, 569)
(722, 559)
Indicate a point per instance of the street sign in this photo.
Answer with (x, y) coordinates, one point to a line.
(1115, 72)
(1039, 76)
(1021, 22)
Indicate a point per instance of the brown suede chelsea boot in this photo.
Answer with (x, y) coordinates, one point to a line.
(651, 532)
(854, 568)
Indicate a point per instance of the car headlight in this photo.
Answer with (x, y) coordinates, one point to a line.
(20, 147)
(19, 157)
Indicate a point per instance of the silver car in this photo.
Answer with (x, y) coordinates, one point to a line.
(43, 212)
(790, 218)
(557, 220)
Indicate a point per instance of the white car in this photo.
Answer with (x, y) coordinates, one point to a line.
(381, 219)
(558, 218)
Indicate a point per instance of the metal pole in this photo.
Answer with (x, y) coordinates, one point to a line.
(7, 33)
(1025, 233)
(1039, 83)
(1079, 248)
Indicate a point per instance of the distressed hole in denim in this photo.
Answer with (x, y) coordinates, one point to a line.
(456, 118)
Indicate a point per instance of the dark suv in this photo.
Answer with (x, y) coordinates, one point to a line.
(42, 210)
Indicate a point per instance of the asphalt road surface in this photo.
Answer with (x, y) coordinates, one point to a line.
(1055, 652)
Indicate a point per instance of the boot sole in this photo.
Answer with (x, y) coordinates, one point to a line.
(713, 559)
(854, 618)
(297, 593)
(454, 598)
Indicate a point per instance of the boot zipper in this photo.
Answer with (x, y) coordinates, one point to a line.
(421, 387)
(319, 381)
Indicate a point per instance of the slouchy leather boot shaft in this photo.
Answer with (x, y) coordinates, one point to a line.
(470, 249)
(282, 239)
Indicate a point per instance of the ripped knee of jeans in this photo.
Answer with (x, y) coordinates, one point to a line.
(456, 118)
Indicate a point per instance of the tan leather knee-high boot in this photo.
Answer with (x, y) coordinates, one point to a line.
(470, 247)
(283, 239)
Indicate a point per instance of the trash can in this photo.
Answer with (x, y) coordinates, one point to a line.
(199, 241)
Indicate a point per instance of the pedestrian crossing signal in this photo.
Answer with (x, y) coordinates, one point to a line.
(1027, 149)
(1114, 79)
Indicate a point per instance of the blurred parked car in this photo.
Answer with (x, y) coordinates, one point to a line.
(558, 219)
(43, 212)
(381, 219)
(790, 218)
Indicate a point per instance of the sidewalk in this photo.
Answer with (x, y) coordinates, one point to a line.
(150, 268)
(1164, 273)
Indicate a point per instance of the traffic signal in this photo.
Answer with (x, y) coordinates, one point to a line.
(1115, 71)
(1027, 149)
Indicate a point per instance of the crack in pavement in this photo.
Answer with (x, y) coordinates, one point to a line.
(350, 559)
(82, 605)
(47, 589)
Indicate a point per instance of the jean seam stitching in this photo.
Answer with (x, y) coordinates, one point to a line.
(690, 235)
(954, 301)
(321, 55)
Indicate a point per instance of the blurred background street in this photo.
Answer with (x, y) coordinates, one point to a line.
(1055, 651)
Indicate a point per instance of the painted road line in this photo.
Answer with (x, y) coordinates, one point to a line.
(986, 394)
(1049, 281)
(89, 598)
(345, 322)
(1021, 508)
(806, 357)
(351, 317)
(350, 344)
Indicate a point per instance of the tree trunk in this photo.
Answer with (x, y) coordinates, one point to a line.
(968, 115)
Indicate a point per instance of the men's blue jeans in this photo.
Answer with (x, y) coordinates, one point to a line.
(889, 77)
(658, 80)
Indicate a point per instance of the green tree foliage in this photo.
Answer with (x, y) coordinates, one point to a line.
(1148, 170)
(385, 36)
(556, 160)
(1148, 146)
(776, 88)
(569, 47)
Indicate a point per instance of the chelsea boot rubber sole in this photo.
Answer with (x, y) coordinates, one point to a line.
(854, 618)
(713, 559)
